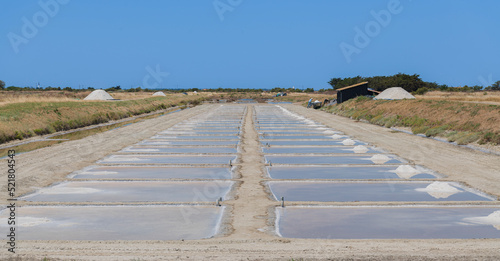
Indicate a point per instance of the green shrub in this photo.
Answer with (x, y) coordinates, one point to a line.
(490, 137)
(435, 131)
(467, 138)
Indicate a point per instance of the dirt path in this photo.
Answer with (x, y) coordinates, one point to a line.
(245, 241)
(248, 218)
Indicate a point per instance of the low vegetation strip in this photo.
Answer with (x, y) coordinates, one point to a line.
(23, 120)
(459, 122)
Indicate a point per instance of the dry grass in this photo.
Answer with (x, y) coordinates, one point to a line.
(7, 97)
(35, 116)
(487, 97)
(454, 120)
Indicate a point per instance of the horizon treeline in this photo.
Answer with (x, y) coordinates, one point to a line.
(411, 83)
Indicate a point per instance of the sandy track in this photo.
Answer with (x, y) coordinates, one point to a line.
(245, 242)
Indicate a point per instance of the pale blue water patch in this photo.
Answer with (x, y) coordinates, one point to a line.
(188, 143)
(308, 142)
(329, 191)
(296, 137)
(296, 133)
(386, 222)
(184, 137)
(170, 159)
(347, 172)
(319, 150)
(180, 150)
(354, 159)
(100, 222)
(132, 191)
(148, 172)
(214, 133)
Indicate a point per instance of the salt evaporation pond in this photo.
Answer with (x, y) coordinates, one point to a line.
(100, 222)
(388, 222)
(320, 150)
(180, 150)
(170, 159)
(308, 142)
(354, 159)
(346, 172)
(147, 172)
(181, 137)
(188, 143)
(329, 191)
(133, 191)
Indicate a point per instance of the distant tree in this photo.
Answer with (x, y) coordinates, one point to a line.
(2, 85)
(309, 90)
(116, 88)
(495, 86)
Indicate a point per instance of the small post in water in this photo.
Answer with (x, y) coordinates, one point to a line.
(282, 202)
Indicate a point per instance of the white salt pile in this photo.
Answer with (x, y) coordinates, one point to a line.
(347, 142)
(98, 95)
(159, 94)
(336, 136)
(406, 171)
(329, 132)
(360, 149)
(492, 219)
(68, 190)
(379, 158)
(394, 93)
(439, 189)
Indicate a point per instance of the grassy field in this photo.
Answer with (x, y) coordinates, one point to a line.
(456, 121)
(28, 115)
(487, 97)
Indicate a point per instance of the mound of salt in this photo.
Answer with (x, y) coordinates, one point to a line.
(98, 95)
(159, 94)
(406, 171)
(336, 136)
(394, 93)
(347, 142)
(439, 189)
(379, 158)
(360, 149)
(492, 219)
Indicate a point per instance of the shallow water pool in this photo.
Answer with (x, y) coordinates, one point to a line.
(330, 191)
(100, 222)
(146, 172)
(133, 191)
(387, 222)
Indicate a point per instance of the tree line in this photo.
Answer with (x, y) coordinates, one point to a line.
(411, 83)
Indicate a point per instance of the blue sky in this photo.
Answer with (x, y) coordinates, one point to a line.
(245, 43)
